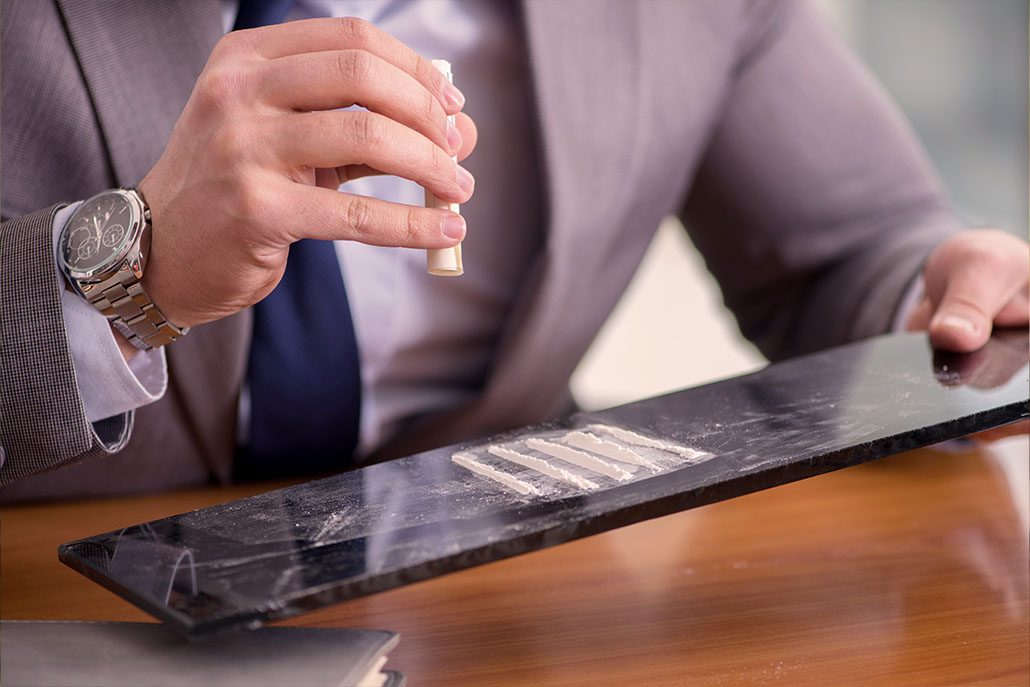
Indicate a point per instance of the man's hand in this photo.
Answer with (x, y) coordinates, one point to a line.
(974, 280)
(256, 156)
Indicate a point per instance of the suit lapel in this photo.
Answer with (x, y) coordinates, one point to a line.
(586, 68)
(137, 95)
(138, 98)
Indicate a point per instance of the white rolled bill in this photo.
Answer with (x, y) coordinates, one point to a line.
(444, 262)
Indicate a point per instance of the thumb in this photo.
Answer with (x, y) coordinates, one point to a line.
(972, 278)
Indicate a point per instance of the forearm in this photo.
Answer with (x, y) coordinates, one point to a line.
(814, 206)
(47, 421)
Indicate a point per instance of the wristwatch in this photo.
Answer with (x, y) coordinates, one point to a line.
(103, 251)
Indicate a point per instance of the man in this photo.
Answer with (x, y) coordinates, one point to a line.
(800, 184)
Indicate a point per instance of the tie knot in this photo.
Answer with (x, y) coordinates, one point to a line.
(254, 13)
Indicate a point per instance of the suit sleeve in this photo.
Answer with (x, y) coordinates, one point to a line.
(814, 205)
(43, 422)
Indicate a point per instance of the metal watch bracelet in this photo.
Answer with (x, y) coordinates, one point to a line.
(132, 312)
(122, 299)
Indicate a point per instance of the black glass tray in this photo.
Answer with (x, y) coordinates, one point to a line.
(243, 563)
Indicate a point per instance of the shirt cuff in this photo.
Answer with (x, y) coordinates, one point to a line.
(909, 301)
(107, 384)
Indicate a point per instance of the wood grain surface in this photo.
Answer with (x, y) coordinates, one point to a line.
(913, 570)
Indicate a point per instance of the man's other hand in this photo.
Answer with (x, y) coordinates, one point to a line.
(256, 156)
(975, 280)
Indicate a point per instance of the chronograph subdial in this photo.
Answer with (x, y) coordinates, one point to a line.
(87, 249)
(84, 242)
(113, 235)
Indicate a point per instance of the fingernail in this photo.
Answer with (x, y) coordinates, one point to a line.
(453, 137)
(453, 96)
(465, 180)
(453, 226)
(958, 323)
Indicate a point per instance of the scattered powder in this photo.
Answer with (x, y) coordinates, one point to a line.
(541, 466)
(332, 526)
(608, 449)
(467, 461)
(583, 460)
(640, 440)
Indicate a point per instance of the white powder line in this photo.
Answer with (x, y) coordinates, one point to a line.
(640, 440)
(484, 470)
(583, 460)
(541, 466)
(608, 449)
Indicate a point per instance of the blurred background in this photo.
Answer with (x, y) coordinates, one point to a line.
(958, 69)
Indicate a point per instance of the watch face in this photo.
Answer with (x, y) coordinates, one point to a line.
(96, 232)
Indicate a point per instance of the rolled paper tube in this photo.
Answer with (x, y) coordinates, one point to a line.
(444, 262)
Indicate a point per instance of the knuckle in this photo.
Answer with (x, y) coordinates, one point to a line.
(229, 44)
(424, 71)
(221, 89)
(413, 226)
(429, 108)
(246, 201)
(355, 65)
(443, 164)
(228, 147)
(359, 215)
(968, 303)
(357, 33)
(440, 159)
(366, 130)
(985, 258)
(986, 248)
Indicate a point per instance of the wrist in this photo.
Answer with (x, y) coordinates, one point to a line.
(127, 350)
(162, 278)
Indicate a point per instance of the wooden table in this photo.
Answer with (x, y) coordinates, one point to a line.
(912, 570)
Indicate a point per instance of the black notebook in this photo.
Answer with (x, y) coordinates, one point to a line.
(36, 653)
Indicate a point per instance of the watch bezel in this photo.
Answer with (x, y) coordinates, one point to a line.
(117, 260)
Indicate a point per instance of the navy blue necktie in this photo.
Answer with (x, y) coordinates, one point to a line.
(254, 13)
(305, 385)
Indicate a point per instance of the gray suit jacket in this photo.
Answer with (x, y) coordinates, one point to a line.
(799, 182)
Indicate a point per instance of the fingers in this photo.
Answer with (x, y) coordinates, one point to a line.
(973, 279)
(320, 213)
(337, 79)
(355, 137)
(300, 74)
(1015, 312)
(332, 178)
(469, 134)
(963, 319)
(348, 33)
